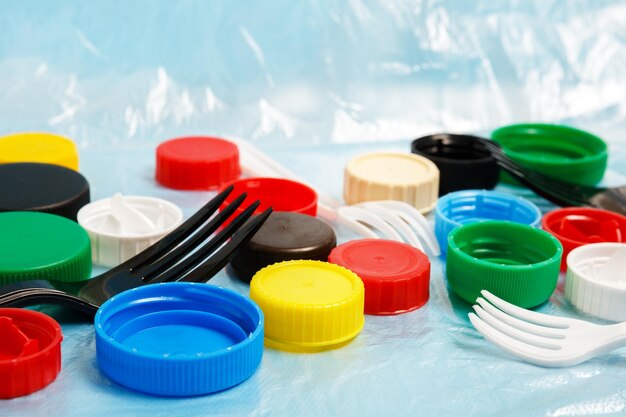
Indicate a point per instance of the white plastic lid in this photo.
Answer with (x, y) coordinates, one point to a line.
(595, 281)
(122, 226)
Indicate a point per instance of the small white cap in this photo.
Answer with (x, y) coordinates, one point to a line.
(392, 176)
(595, 281)
(122, 226)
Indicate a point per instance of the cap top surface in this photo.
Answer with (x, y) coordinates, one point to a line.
(396, 276)
(310, 306)
(197, 163)
(391, 168)
(315, 283)
(39, 147)
(198, 149)
(42, 246)
(42, 187)
(378, 259)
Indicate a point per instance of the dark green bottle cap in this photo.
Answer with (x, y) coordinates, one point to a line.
(42, 246)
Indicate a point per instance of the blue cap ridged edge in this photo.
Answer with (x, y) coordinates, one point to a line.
(444, 225)
(176, 377)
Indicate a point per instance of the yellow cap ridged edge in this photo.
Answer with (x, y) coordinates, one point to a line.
(60, 150)
(314, 327)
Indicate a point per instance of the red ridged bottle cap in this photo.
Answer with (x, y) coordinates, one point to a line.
(30, 352)
(577, 226)
(197, 163)
(396, 275)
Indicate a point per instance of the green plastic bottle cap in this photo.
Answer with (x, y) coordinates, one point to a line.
(513, 261)
(560, 152)
(42, 246)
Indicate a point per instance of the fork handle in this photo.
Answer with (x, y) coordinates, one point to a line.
(609, 338)
(31, 297)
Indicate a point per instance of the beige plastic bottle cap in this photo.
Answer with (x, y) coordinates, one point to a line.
(392, 176)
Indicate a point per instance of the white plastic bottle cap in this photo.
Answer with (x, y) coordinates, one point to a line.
(595, 281)
(122, 226)
(392, 176)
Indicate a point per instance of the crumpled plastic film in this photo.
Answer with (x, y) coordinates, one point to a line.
(313, 84)
(313, 72)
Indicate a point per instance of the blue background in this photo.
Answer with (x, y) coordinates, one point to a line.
(314, 83)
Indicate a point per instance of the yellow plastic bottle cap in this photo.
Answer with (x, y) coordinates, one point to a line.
(309, 306)
(46, 148)
(392, 176)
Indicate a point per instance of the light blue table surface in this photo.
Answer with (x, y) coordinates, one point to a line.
(314, 83)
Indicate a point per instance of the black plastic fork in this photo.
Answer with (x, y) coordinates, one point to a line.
(185, 254)
(559, 192)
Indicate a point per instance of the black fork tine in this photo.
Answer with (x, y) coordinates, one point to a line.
(527, 176)
(215, 263)
(174, 237)
(573, 190)
(551, 189)
(185, 248)
(204, 251)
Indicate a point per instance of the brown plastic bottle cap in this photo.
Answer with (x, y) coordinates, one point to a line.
(285, 236)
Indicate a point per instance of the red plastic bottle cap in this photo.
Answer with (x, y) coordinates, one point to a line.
(278, 193)
(396, 275)
(30, 352)
(576, 226)
(197, 163)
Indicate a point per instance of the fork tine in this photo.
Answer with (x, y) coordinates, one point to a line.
(526, 315)
(218, 261)
(204, 251)
(524, 326)
(542, 186)
(549, 188)
(529, 353)
(397, 222)
(552, 189)
(514, 333)
(176, 236)
(185, 248)
(359, 214)
(417, 221)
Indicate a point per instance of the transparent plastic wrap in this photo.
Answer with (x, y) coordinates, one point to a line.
(313, 84)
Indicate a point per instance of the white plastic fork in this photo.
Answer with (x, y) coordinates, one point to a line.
(542, 339)
(394, 220)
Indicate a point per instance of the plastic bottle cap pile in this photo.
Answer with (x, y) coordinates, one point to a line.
(306, 293)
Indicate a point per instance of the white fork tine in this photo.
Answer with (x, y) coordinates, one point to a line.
(361, 215)
(529, 353)
(550, 332)
(417, 221)
(526, 315)
(392, 218)
(511, 331)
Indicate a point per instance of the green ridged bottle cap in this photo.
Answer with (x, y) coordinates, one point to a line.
(42, 246)
(560, 152)
(513, 261)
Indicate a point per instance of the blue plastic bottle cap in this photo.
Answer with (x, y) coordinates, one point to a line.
(470, 206)
(179, 339)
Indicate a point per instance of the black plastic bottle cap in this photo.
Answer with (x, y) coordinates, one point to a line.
(42, 187)
(463, 163)
(284, 236)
